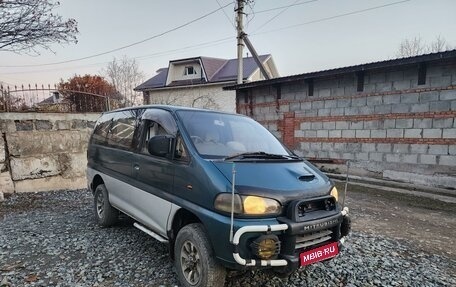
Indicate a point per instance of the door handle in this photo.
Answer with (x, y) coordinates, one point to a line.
(136, 167)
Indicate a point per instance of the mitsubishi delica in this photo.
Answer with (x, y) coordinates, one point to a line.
(219, 188)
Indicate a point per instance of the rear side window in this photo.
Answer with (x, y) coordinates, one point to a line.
(117, 129)
(121, 132)
(101, 130)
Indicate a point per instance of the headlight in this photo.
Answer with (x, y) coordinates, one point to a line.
(260, 205)
(248, 205)
(335, 193)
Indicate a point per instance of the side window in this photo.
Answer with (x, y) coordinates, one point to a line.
(181, 153)
(156, 122)
(122, 129)
(151, 129)
(101, 130)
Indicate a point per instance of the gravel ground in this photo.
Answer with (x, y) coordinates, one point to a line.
(51, 239)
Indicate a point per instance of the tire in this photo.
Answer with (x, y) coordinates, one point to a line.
(105, 214)
(194, 259)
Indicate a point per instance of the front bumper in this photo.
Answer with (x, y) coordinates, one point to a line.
(289, 256)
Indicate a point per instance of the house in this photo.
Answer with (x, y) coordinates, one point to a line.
(392, 119)
(199, 82)
(55, 98)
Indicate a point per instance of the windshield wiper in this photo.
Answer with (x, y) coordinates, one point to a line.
(260, 155)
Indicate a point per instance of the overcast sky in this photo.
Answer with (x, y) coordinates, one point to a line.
(298, 42)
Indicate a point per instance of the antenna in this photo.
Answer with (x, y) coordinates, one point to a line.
(233, 183)
(346, 184)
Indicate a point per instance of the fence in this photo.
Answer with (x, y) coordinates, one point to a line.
(54, 99)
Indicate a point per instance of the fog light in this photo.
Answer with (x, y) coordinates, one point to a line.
(266, 247)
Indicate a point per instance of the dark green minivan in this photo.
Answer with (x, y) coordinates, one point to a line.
(219, 188)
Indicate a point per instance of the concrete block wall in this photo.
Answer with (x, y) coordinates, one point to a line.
(393, 129)
(43, 151)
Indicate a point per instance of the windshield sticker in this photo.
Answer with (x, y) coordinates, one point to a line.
(219, 123)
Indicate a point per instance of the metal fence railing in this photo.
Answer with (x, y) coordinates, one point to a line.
(53, 99)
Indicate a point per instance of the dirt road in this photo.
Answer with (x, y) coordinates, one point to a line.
(52, 239)
(426, 223)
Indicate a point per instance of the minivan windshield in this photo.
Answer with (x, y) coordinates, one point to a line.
(217, 135)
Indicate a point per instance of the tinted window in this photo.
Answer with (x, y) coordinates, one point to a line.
(157, 122)
(181, 153)
(101, 129)
(117, 129)
(152, 129)
(122, 131)
(163, 118)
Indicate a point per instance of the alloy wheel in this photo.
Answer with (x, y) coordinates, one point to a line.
(190, 263)
(100, 205)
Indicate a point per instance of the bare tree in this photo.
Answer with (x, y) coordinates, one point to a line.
(168, 99)
(184, 97)
(416, 46)
(440, 44)
(205, 102)
(26, 25)
(124, 75)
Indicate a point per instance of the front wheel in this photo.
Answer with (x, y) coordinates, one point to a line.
(194, 259)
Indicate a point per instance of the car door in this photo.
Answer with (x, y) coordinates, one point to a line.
(153, 175)
(115, 156)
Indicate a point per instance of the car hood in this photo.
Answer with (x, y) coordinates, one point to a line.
(283, 181)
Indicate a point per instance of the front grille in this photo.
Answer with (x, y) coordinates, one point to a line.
(311, 209)
(327, 204)
(306, 240)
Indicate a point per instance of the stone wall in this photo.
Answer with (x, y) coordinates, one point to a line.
(43, 151)
(394, 128)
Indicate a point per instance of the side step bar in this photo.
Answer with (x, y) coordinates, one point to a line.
(150, 232)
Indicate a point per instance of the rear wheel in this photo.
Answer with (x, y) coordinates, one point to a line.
(194, 259)
(105, 214)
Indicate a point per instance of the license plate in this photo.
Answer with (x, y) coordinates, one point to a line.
(319, 254)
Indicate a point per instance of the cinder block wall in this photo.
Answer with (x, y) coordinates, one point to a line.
(393, 129)
(43, 151)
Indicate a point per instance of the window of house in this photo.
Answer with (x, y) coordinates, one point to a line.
(189, 70)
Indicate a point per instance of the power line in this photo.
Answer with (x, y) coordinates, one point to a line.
(226, 15)
(139, 58)
(251, 5)
(207, 44)
(333, 17)
(129, 45)
(285, 8)
(281, 7)
(265, 32)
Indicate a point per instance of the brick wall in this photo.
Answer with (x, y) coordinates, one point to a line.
(394, 128)
(43, 151)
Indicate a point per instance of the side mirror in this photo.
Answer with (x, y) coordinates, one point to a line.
(160, 145)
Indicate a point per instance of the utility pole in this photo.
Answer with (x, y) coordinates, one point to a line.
(241, 39)
(240, 35)
(255, 56)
